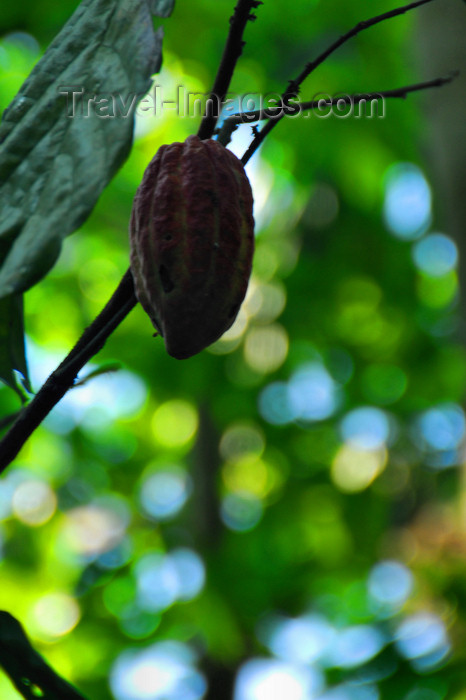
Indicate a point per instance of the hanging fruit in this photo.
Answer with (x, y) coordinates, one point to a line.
(192, 241)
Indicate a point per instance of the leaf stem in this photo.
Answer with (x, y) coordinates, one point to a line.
(63, 378)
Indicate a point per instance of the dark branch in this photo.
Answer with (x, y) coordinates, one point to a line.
(28, 671)
(294, 85)
(63, 378)
(232, 52)
(295, 108)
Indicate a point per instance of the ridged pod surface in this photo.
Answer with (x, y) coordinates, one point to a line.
(192, 240)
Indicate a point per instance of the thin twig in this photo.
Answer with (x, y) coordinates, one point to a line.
(63, 378)
(294, 85)
(295, 108)
(232, 51)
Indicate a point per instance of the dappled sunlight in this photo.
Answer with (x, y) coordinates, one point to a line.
(423, 639)
(164, 492)
(55, 615)
(175, 423)
(266, 348)
(390, 584)
(241, 439)
(312, 393)
(282, 516)
(437, 292)
(439, 432)
(366, 428)
(34, 502)
(94, 404)
(436, 254)
(241, 511)
(162, 579)
(95, 528)
(355, 468)
(301, 640)
(163, 671)
(407, 207)
(261, 679)
(354, 646)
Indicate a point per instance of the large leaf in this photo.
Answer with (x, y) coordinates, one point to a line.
(54, 166)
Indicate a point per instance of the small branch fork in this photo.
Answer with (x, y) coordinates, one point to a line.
(124, 299)
(233, 48)
(294, 85)
(295, 108)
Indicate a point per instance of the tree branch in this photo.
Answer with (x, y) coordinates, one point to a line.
(232, 51)
(294, 85)
(295, 108)
(63, 378)
(28, 671)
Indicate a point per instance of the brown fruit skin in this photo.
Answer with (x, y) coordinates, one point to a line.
(192, 241)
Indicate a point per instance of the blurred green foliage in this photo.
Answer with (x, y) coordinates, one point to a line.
(296, 493)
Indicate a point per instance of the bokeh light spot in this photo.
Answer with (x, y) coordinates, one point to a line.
(266, 348)
(95, 528)
(34, 502)
(436, 254)
(163, 671)
(312, 393)
(54, 615)
(137, 623)
(241, 512)
(441, 427)
(163, 493)
(240, 440)
(300, 640)
(352, 691)
(390, 583)
(175, 423)
(274, 404)
(266, 301)
(163, 579)
(437, 292)
(356, 645)
(354, 469)
(250, 475)
(365, 428)
(407, 206)
(264, 679)
(157, 582)
(423, 638)
(190, 571)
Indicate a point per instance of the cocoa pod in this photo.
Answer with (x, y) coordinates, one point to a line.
(192, 240)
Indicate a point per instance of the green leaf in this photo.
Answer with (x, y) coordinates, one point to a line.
(162, 8)
(12, 354)
(53, 165)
